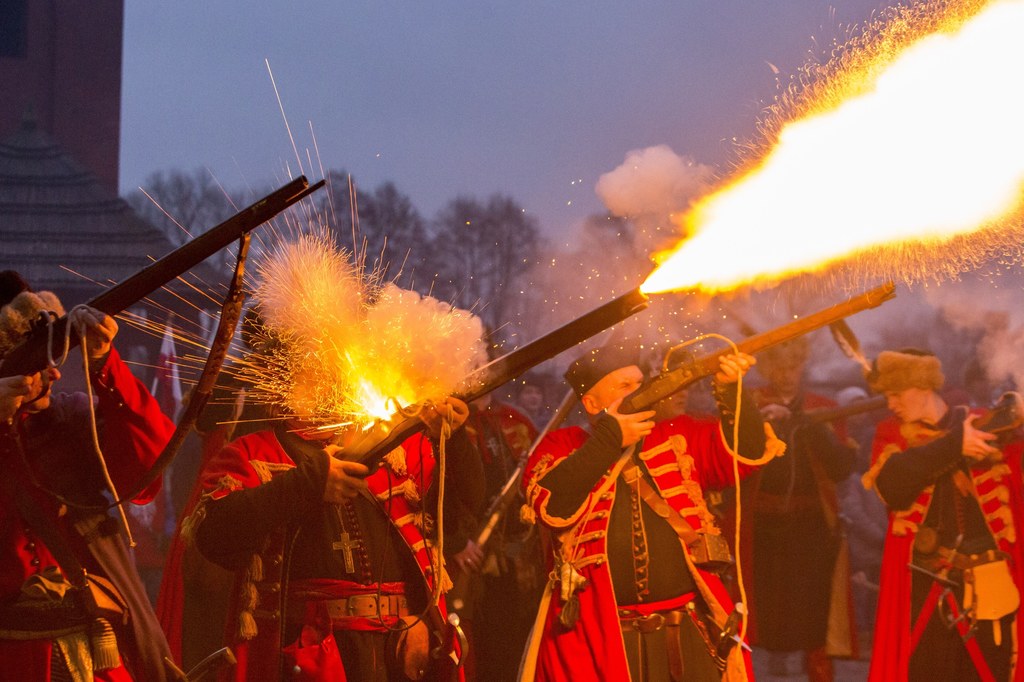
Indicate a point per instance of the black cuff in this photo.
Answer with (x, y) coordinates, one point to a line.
(751, 432)
(572, 479)
(241, 522)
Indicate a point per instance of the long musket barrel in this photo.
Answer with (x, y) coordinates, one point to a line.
(667, 383)
(387, 435)
(828, 414)
(32, 355)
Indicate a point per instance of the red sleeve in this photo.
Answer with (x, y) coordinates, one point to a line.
(886, 433)
(230, 468)
(135, 431)
(555, 447)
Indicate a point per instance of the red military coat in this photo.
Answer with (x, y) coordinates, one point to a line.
(1000, 492)
(684, 456)
(134, 433)
(256, 458)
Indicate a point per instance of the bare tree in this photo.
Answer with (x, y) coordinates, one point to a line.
(483, 252)
(182, 205)
(391, 235)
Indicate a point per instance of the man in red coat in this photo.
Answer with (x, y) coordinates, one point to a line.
(336, 568)
(953, 568)
(54, 522)
(634, 593)
(793, 510)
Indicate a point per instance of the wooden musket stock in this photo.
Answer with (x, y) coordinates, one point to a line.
(667, 383)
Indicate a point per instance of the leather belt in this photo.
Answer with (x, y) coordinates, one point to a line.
(949, 558)
(368, 606)
(670, 621)
(651, 623)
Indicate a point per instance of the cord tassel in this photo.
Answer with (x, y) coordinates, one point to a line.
(103, 643)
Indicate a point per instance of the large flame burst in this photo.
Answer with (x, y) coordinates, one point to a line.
(901, 157)
(336, 348)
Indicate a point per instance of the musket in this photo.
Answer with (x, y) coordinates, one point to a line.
(671, 381)
(385, 436)
(828, 414)
(508, 492)
(375, 442)
(47, 341)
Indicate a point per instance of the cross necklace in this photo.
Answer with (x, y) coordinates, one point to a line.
(345, 543)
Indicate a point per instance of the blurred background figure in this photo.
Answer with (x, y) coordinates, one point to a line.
(498, 572)
(863, 513)
(953, 566)
(798, 573)
(531, 397)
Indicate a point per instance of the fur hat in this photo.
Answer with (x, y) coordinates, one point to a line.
(18, 316)
(596, 364)
(908, 368)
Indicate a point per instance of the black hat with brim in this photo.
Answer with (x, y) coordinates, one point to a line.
(597, 363)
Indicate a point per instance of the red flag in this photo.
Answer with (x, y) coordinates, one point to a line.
(166, 384)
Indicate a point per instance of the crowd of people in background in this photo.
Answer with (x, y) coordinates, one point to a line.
(807, 515)
(562, 535)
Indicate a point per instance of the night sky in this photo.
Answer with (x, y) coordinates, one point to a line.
(534, 100)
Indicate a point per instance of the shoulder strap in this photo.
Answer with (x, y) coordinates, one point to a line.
(656, 502)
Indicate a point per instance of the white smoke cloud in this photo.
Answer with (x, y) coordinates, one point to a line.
(605, 256)
(988, 302)
(650, 186)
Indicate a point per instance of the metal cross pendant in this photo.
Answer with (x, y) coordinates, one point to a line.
(346, 544)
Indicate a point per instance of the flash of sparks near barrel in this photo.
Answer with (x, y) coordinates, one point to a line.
(917, 173)
(338, 347)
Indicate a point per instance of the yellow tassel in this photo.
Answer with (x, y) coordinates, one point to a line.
(247, 625)
(396, 460)
(254, 573)
(190, 524)
(103, 643)
(527, 515)
(410, 492)
(773, 446)
(446, 581)
(249, 596)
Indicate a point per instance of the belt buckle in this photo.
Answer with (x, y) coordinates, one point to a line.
(363, 606)
(651, 623)
(370, 606)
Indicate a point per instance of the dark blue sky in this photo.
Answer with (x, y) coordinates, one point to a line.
(532, 99)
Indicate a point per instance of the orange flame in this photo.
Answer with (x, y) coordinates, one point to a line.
(374, 403)
(926, 146)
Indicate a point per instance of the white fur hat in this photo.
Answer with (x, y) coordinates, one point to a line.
(899, 370)
(17, 317)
